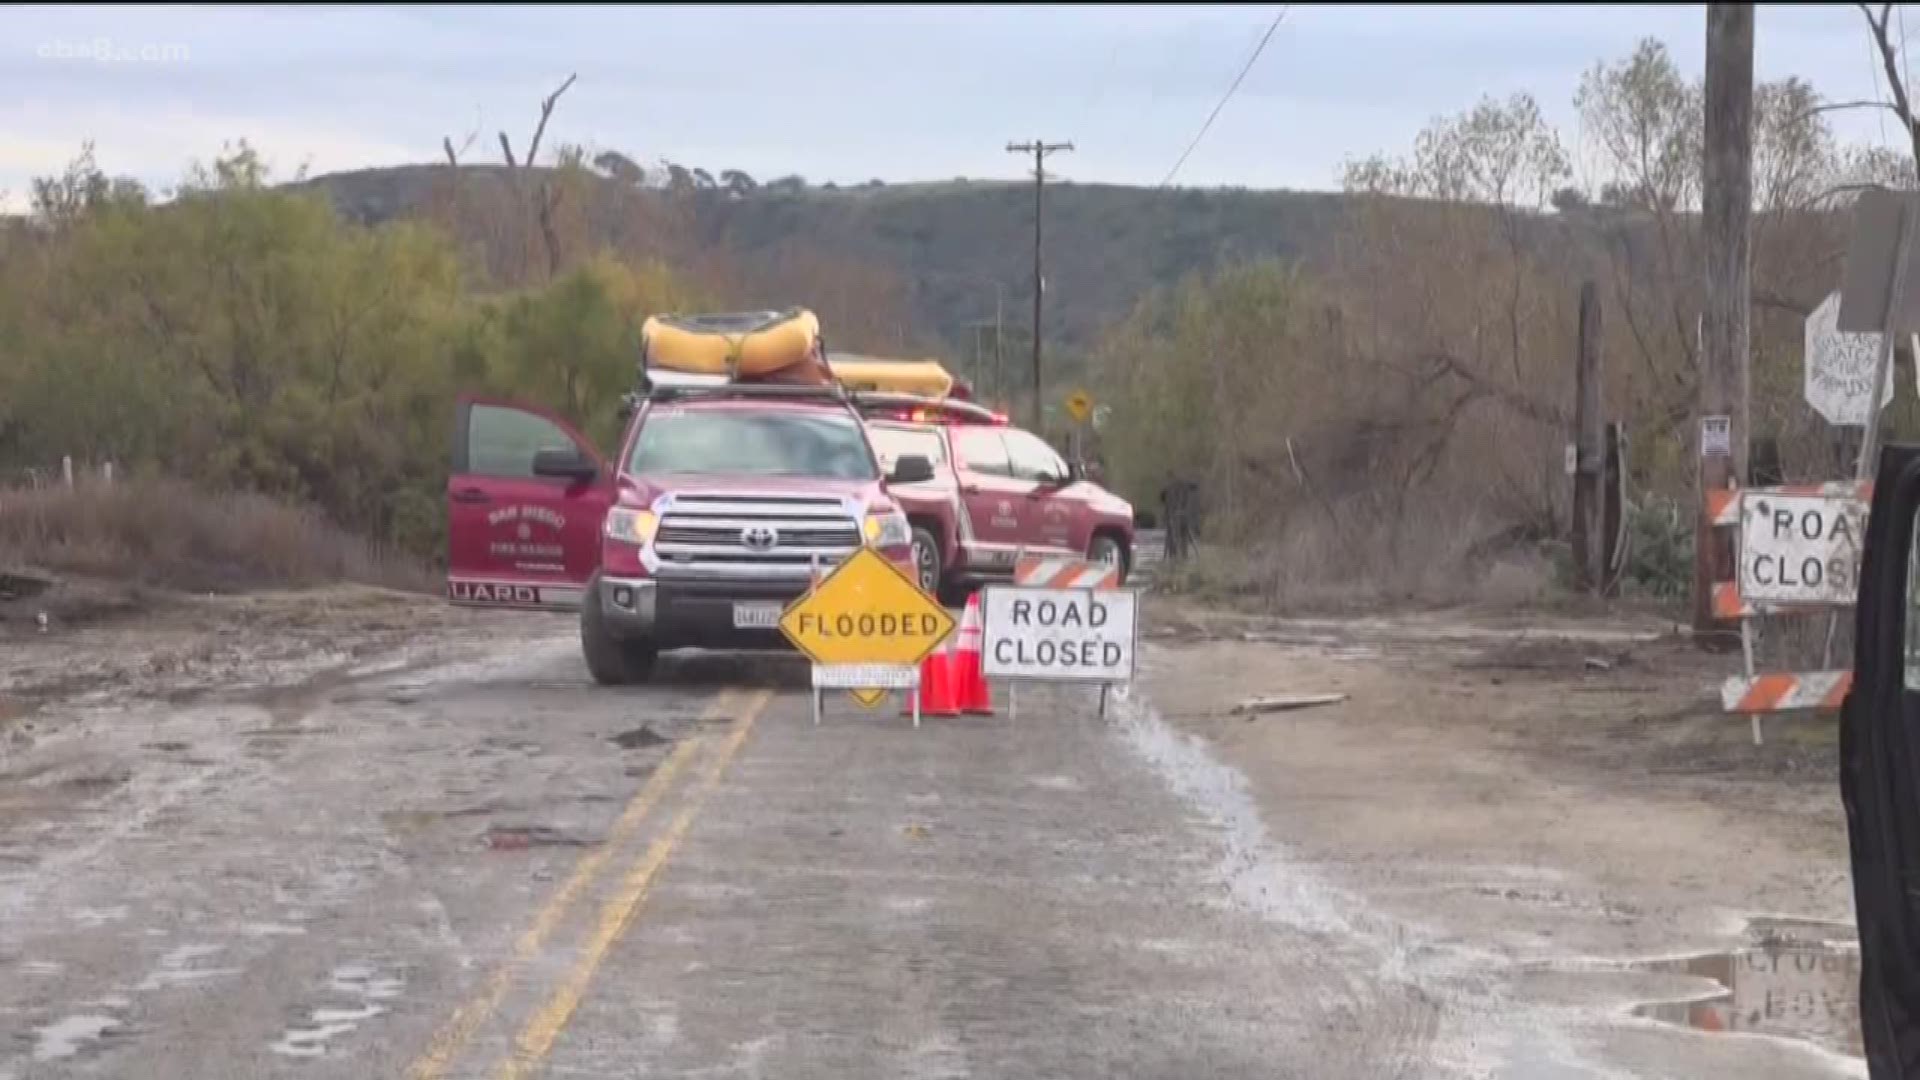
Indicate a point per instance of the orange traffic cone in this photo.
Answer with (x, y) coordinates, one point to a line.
(936, 684)
(974, 694)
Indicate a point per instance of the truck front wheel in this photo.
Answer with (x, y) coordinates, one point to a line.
(1108, 550)
(610, 660)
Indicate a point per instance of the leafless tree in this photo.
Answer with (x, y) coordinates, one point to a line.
(1889, 52)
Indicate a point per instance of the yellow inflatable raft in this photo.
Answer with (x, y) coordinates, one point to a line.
(925, 377)
(741, 344)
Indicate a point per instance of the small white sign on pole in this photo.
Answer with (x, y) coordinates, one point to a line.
(1840, 367)
(1074, 635)
(1800, 549)
(1716, 436)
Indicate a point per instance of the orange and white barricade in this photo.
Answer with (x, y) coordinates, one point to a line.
(1797, 554)
(1064, 572)
(1035, 651)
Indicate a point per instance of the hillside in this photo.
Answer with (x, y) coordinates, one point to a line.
(949, 242)
(1105, 245)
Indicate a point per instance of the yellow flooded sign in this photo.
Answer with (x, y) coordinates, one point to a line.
(868, 611)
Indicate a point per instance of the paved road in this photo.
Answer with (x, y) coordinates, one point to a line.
(491, 869)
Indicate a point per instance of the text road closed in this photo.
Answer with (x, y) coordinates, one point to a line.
(1800, 549)
(1073, 634)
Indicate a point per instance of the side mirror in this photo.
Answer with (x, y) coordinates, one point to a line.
(566, 463)
(1077, 471)
(911, 469)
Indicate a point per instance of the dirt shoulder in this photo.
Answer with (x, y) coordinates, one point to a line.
(106, 644)
(1557, 793)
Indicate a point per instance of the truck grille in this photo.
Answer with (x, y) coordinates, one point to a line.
(708, 536)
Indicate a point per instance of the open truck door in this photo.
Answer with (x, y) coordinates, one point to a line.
(526, 497)
(1880, 772)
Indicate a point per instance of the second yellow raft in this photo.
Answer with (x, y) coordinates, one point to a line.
(926, 377)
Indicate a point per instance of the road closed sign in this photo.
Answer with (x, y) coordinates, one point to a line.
(1800, 549)
(1075, 635)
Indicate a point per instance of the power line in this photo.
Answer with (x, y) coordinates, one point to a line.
(1228, 96)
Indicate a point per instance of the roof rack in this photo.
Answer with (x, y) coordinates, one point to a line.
(631, 401)
(748, 391)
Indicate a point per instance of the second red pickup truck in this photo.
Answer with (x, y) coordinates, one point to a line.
(997, 492)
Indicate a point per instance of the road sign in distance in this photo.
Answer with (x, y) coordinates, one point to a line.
(1867, 302)
(1080, 406)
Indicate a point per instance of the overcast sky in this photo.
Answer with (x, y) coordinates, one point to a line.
(832, 93)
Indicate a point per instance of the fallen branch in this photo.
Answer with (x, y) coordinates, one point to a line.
(1256, 706)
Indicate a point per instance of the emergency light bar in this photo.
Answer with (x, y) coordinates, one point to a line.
(922, 410)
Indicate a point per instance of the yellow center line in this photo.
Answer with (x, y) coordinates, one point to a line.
(544, 1027)
(454, 1035)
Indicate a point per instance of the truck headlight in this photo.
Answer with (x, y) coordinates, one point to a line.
(887, 528)
(631, 526)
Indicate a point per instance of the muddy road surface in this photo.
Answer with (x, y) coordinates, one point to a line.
(437, 851)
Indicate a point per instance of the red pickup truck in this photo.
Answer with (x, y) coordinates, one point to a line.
(997, 491)
(708, 523)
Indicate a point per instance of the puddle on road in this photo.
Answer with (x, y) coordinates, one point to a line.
(325, 1024)
(1795, 982)
(69, 1035)
(181, 967)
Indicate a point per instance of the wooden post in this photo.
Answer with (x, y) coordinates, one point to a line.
(1613, 511)
(1726, 213)
(1589, 450)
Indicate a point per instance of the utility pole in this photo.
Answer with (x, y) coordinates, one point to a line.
(1726, 206)
(1039, 150)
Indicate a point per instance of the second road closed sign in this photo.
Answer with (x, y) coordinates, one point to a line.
(1084, 635)
(1800, 549)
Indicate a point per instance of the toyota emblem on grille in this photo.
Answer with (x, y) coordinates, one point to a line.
(759, 538)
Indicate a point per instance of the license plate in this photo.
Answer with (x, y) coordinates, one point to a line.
(756, 616)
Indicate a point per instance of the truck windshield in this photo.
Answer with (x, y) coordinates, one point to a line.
(893, 443)
(738, 442)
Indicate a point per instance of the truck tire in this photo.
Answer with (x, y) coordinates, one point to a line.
(611, 661)
(928, 567)
(1108, 550)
